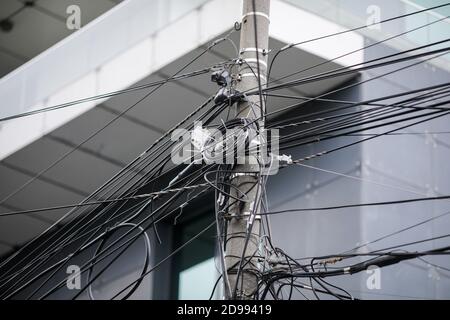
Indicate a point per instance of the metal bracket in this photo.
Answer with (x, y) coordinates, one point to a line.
(254, 60)
(241, 216)
(251, 74)
(264, 52)
(256, 13)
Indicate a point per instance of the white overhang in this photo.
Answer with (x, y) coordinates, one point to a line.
(30, 144)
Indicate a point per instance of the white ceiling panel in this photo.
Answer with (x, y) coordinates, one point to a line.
(85, 171)
(8, 63)
(16, 230)
(168, 105)
(9, 7)
(123, 140)
(33, 32)
(4, 249)
(38, 194)
(37, 28)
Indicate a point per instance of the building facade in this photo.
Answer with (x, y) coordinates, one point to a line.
(139, 42)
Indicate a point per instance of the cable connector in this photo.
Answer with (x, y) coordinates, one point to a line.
(275, 260)
(331, 261)
(222, 96)
(228, 95)
(284, 158)
(216, 42)
(221, 77)
(199, 137)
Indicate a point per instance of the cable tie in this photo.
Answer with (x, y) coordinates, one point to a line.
(331, 260)
(264, 52)
(285, 158)
(220, 199)
(242, 174)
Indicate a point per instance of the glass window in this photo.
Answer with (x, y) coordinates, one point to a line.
(194, 271)
(196, 282)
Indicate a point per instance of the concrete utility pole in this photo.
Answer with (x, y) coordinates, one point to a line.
(253, 51)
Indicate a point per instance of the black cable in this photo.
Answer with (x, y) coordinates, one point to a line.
(357, 205)
(99, 248)
(136, 160)
(127, 243)
(438, 114)
(350, 30)
(356, 104)
(381, 261)
(351, 86)
(221, 190)
(346, 70)
(174, 252)
(106, 95)
(65, 155)
(94, 203)
(346, 124)
(97, 259)
(317, 137)
(354, 51)
(281, 124)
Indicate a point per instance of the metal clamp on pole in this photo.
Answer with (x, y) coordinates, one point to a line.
(264, 52)
(256, 13)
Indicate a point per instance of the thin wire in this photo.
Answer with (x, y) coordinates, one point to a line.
(361, 179)
(146, 195)
(355, 29)
(106, 95)
(358, 205)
